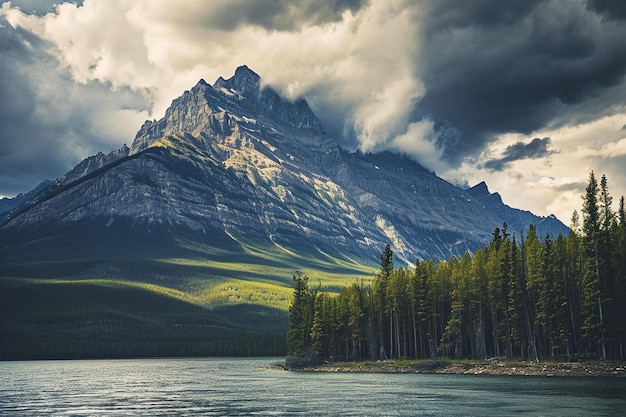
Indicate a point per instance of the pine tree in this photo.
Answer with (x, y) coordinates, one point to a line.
(479, 304)
(529, 279)
(620, 301)
(562, 332)
(354, 297)
(425, 300)
(575, 223)
(319, 328)
(301, 315)
(593, 330)
(386, 262)
(383, 319)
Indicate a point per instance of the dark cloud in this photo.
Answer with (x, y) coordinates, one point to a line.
(577, 187)
(48, 123)
(17, 114)
(445, 15)
(536, 148)
(276, 14)
(610, 9)
(491, 67)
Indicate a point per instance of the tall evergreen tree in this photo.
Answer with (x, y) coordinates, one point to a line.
(382, 327)
(575, 271)
(593, 326)
(386, 262)
(479, 304)
(620, 302)
(301, 315)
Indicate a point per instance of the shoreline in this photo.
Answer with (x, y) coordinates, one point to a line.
(490, 367)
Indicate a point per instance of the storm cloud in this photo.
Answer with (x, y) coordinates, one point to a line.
(47, 122)
(611, 9)
(281, 15)
(493, 67)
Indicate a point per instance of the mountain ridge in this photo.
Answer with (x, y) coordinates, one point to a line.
(517, 220)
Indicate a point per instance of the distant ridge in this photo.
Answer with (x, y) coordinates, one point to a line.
(517, 220)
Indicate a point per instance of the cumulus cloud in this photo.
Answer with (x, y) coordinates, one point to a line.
(419, 142)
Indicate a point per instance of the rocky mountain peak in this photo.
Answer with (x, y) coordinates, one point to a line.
(233, 111)
(481, 193)
(245, 82)
(480, 190)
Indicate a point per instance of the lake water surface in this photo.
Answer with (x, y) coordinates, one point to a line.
(243, 387)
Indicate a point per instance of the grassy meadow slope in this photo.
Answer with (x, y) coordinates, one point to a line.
(107, 318)
(201, 301)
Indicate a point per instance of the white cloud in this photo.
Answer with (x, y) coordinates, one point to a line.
(555, 185)
(49, 120)
(361, 65)
(419, 141)
(607, 150)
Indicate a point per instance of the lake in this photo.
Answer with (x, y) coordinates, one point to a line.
(243, 387)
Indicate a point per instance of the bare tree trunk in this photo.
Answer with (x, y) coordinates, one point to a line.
(398, 336)
(600, 306)
(413, 322)
(391, 332)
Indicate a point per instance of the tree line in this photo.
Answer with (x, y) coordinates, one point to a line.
(528, 297)
(236, 346)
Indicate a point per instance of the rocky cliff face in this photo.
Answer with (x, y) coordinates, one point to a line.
(233, 163)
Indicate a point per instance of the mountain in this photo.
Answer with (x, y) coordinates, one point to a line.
(240, 163)
(230, 193)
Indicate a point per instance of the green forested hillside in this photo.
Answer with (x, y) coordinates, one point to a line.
(520, 296)
(198, 301)
(114, 319)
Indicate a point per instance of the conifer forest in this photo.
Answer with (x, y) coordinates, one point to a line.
(522, 296)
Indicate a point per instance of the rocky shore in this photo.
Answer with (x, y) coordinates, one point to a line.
(490, 367)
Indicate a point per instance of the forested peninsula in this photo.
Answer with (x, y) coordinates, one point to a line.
(521, 298)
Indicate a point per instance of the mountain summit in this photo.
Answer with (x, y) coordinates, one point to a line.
(236, 167)
(245, 81)
(228, 109)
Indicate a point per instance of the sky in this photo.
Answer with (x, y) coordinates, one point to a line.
(526, 95)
